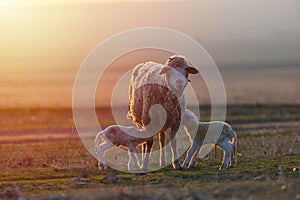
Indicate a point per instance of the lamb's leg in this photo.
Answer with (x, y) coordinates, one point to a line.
(233, 155)
(138, 155)
(131, 151)
(194, 160)
(101, 151)
(191, 154)
(147, 155)
(175, 161)
(162, 144)
(227, 154)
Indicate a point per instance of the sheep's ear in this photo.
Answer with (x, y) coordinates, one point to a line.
(164, 70)
(192, 70)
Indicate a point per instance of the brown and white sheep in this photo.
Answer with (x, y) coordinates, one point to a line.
(151, 84)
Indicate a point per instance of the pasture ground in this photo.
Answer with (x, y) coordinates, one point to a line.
(43, 158)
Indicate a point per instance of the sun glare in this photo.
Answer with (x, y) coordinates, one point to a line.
(9, 2)
(49, 2)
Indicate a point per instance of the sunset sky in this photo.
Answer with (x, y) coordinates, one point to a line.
(43, 43)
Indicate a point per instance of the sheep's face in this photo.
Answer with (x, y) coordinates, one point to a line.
(180, 64)
(177, 70)
(176, 79)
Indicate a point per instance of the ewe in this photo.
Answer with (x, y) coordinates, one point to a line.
(153, 83)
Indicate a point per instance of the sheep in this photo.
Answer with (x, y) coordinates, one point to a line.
(197, 131)
(117, 135)
(151, 84)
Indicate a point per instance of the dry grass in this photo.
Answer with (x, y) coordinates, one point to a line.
(53, 163)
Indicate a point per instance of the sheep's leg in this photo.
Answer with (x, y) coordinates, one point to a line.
(149, 145)
(233, 155)
(162, 144)
(138, 156)
(131, 152)
(144, 148)
(101, 151)
(175, 163)
(194, 160)
(191, 154)
(226, 154)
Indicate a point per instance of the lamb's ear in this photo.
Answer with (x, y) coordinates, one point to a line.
(164, 70)
(192, 70)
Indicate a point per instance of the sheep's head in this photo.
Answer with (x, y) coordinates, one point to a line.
(177, 70)
(189, 119)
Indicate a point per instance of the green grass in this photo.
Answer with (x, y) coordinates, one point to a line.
(268, 162)
(204, 179)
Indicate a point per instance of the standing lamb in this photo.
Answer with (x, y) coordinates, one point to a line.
(117, 135)
(197, 131)
(151, 84)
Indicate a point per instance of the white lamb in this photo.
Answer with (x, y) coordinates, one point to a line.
(197, 130)
(117, 135)
(157, 84)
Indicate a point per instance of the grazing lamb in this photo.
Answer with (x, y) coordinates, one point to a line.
(117, 135)
(197, 130)
(151, 84)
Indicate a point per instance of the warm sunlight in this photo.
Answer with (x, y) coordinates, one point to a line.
(10, 2)
(30, 2)
(47, 2)
(88, 91)
(43, 43)
(37, 31)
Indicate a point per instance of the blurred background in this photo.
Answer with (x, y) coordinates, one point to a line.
(255, 44)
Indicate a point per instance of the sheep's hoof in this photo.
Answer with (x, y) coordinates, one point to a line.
(192, 169)
(102, 167)
(140, 174)
(176, 165)
(184, 168)
(233, 164)
(162, 164)
(144, 169)
(178, 168)
(221, 168)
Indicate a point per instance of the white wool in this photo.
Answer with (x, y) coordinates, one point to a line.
(196, 131)
(148, 73)
(174, 77)
(121, 136)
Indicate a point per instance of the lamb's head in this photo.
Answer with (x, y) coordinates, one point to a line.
(176, 71)
(189, 119)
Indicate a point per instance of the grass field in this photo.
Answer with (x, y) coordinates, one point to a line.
(43, 158)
